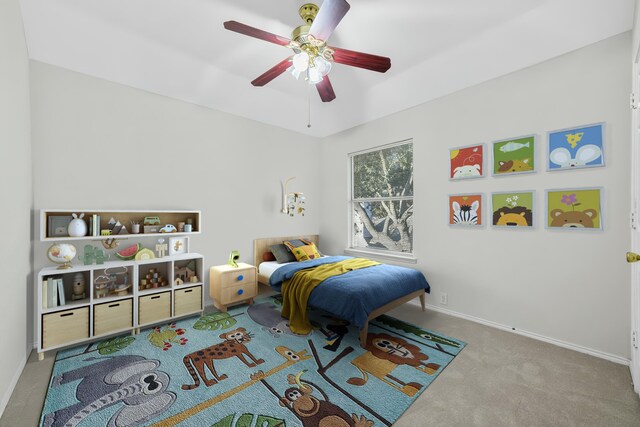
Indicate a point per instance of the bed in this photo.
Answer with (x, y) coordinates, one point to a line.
(370, 293)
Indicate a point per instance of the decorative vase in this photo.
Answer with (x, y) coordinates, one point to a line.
(77, 226)
(61, 253)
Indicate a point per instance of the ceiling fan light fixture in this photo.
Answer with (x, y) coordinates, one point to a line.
(322, 65)
(301, 61)
(314, 76)
(295, 73)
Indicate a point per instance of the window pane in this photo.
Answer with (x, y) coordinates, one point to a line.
(383, 225)
(384, 173)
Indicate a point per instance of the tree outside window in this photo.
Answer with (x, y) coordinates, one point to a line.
(382, 199)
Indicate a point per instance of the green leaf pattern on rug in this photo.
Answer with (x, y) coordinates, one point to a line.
(412, 329)
(114, 345)
(246, 419)
(215, 321)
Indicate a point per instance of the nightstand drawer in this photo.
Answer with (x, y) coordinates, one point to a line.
(188, 300)
(64, 327)
(112, 316)
(238, 277)
(232, 294)
(154, 307)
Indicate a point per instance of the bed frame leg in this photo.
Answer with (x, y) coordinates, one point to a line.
(422, 303)
(363, 335)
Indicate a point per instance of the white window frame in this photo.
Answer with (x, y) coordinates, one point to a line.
(387, 255)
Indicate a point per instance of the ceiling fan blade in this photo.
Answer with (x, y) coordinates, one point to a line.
(326, 90)
(362, 60)
(329, 16)
(255, 32)
(273, 72)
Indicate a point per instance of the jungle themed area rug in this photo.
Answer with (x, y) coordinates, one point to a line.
(245, 368)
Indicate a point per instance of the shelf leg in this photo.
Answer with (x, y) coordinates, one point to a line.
(133, 332)
(41, 356)
(137, 331)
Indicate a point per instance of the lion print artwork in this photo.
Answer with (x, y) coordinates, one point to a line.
(232, 346)
(387, 352)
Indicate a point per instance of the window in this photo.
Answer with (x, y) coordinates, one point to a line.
(382, 199)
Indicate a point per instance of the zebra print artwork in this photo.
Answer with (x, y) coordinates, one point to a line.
(465, 210)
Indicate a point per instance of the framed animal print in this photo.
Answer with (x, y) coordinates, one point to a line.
(576, 148)
(466, 210)
(514, 156)
(575, 209)
(513, 209)
(467, 162)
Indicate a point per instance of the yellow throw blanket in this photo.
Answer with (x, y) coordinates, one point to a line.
(295, 292)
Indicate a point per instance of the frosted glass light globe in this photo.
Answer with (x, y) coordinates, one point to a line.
(323, 66)
(301, 61)
(314, 75)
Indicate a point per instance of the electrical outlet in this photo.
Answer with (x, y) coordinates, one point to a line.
(444, 299)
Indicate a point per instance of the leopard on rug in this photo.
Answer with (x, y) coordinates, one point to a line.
(232, 346)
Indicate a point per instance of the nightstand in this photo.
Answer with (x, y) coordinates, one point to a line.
(232, 285)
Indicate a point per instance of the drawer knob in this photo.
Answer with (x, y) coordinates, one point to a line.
(240, 292)
(240, 277)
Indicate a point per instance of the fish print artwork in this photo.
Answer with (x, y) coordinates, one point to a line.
(513, 156)
(514, 146)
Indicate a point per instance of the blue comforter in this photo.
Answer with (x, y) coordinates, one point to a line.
(354, 295)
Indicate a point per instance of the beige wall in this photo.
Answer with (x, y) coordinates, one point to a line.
(102, 145)
(15, 197)
(568, 286)
(636, 31)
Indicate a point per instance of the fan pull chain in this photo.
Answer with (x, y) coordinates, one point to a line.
(309, 106)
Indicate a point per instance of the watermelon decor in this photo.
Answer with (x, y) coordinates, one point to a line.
(129, 252)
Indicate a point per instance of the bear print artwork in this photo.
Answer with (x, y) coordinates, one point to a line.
(574, 209)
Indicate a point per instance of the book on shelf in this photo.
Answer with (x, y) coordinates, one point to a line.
(45, 302)
(52, 292)
(94, 222)
(60, 285)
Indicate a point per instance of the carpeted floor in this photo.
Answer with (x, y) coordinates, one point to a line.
(500, 379)
(246, 367)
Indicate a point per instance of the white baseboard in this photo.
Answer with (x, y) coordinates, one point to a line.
(559, 343)
(12, 385)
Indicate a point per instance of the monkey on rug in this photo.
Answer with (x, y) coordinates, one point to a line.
(313, 412)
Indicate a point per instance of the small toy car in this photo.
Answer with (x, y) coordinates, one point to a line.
(169, 228)
(151, 220)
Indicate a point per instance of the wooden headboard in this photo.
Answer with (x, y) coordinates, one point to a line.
(260, 246)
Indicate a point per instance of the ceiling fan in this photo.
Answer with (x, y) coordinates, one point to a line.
(312, 56)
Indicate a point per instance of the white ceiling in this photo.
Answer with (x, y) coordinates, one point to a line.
(179, 48)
